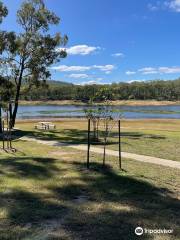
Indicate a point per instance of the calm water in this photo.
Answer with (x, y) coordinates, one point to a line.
(77, 111)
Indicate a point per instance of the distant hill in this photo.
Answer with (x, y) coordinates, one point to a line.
(160, 90)
(58, 83)
(54, 83)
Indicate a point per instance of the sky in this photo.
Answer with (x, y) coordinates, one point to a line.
(113, 41)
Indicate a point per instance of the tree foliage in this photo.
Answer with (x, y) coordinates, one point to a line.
(28, 55)
(3, 11)
(151, 90)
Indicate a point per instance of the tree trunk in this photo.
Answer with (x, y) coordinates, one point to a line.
(94, 130)
(16, 104)
(97, 130)
(97, 134)
(105, 142)
(104, 154)
(10, 115)
(0, 120)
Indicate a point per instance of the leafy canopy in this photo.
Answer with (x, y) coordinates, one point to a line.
(29, 53)
(3, 11)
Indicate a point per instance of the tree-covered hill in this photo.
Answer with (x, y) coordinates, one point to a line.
(58, 83)
(156, 89)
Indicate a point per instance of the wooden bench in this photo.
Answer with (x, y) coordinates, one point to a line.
(51, 126)
(42, 127)
(45, 126)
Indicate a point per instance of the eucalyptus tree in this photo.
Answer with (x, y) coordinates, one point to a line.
(3, 13)
(31, 51)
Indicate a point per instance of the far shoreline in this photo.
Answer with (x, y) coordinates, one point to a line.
(113, 103)
(140, 120)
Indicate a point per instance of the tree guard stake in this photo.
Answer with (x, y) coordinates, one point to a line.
(88, 150)
(120, 157)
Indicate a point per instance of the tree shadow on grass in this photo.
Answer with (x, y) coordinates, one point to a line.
(115, 205)
(125, 204)
(138, 135)
(27, 212)
(67, 136)
(76, 136)
(28, 167)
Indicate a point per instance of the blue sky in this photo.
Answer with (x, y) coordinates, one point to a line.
(114, 40)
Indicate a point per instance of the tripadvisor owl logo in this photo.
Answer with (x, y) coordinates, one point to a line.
(139, 231)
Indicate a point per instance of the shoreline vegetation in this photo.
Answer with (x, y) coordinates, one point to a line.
(113, 103)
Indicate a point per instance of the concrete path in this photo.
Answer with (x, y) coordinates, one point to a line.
(137, 157)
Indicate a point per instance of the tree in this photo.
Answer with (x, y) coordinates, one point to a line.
(6, 91)
(107, 116)
(93, 113)
(3, 13)
(30, 53)
(109, 119)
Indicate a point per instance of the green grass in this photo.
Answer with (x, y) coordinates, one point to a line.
(148, 142)
(158, 138)
(47, 192)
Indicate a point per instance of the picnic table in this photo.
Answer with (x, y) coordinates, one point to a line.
(45, 125)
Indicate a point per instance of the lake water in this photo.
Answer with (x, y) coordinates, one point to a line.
(130, 112)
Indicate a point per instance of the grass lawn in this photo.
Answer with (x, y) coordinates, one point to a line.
(47, 192)
(158, 138)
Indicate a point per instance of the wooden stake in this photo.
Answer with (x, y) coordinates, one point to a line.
(3, 134)
(10, 137)
(7, 131)
(88, 150)
(120, 157)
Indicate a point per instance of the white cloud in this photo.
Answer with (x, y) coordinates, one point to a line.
(173, 5)
(118, 55)
(64, 68)
(169, 69)
(105, 68)
(159, 70)
(153, 7)
(136, 80)
(80, 50)
(148, 70)
(92, 82)
(130, 72)
(78, 75)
